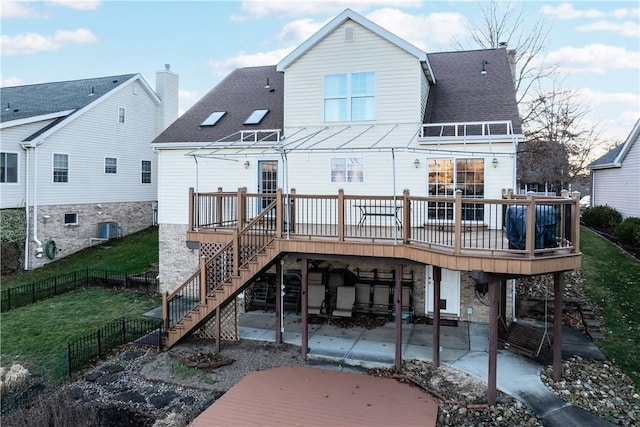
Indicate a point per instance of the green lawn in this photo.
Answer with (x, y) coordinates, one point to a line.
(37, 335)
(132, 253)
(613, 284)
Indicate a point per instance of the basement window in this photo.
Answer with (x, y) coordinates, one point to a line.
(71, 218)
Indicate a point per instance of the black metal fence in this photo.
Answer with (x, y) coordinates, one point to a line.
(46, 288)
(82, 350)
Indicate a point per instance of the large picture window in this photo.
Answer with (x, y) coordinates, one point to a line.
(448, 175)
(347, 170)
(8, 167)
(349, 97)
(60, 167)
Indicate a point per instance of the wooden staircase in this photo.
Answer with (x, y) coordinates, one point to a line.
(220, 278)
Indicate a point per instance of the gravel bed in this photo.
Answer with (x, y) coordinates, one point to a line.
(598, 387)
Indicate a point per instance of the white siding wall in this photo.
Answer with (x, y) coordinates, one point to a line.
(13, 195)
(94, 136)
(397, 77)
(620, 187)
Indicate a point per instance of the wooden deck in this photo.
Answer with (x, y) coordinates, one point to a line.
(303, 396)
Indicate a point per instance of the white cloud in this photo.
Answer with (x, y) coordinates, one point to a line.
(594, 58)
(10, 81)
(261, 8)
(628, 28)
(16, 9)
(421, 30)
(29, 43)
(78, 4)
(298, 31)
(566, 11)
(225, 66)
(186, 99)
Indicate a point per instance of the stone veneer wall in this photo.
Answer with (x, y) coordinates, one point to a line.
(177, 262)
(478, 304)
(133, 217)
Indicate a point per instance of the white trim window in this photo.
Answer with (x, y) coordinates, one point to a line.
(71, 218)
(110, 165)
(8, 168)
(350, 96)
(60, 167)
(347, 169)
(145, 170)
(122, 114)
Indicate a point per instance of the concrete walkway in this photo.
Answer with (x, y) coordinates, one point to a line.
(464, 347)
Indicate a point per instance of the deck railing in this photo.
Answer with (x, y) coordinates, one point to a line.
(450, 224)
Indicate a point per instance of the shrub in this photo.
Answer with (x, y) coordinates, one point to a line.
(628, 232)
(602, 217)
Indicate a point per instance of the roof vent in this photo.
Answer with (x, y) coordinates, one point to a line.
(349, 34)
(502, 45)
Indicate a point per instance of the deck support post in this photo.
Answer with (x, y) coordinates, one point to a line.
(494, 313)
(305, 308)
(218, 328)
(398, 310)
(437, 277)
(279, 293)
(558, 289)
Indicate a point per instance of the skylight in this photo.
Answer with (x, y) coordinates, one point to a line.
(213, 118)
(256, 117)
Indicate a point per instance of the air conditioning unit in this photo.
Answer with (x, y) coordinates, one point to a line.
(109, 230)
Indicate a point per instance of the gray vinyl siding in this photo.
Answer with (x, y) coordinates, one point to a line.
(90, 138)
(620, 187)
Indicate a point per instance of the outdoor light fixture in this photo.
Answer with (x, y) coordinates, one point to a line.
(494, 162)
(247, 164)
(484, 67)
(416, 163)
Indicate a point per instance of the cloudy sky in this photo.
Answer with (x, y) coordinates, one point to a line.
(596, 44)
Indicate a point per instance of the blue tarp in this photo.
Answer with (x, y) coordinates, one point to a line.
(516, 225)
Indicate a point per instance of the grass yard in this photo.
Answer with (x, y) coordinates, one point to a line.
(132, 253)
(613, 284)
(37, 335)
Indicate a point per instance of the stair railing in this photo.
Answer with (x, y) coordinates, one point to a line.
(218, 270)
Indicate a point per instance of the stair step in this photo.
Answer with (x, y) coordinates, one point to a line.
(592, 323)
(596, 335)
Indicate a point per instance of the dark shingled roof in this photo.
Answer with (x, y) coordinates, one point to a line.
(22, 102)
(463, 94)
(238, 94)
(607, 158)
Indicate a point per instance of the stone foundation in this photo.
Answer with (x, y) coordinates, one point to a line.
(177, 262)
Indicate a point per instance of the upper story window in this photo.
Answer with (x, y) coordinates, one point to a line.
(8, 167)
(350, 96)
(347, 169)
(60, 167)
(121, 114)
(145, 169)
(110, 165)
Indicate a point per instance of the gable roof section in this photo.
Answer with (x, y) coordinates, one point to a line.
(30, 101)
(346, 15)
(464, 94)
(239, 94)
(615, 157)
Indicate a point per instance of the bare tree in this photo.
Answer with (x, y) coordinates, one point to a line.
(502, 24)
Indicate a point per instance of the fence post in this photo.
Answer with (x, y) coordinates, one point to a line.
(55, 285)
(457, 244)
(99, 344)
(33, 292)
(192, 213)
(406, 216)
(341, 220)
(165, 312)
(530, 233)
(279, 213)
(8, 299)
(124, 331)
(69, 358)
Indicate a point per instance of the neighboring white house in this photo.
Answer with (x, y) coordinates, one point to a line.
(353, 108)
(615, 177)
(77, 158)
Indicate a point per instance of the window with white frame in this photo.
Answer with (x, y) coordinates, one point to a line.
(71, 218)
(347, 169)
(350, 96)
(121, 114)
(448, 175)
(60, 167)
(8, 167)
(145, 168)
(110, 165)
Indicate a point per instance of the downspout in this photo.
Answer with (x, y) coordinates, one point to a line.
(26, 209)
(39, 249)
